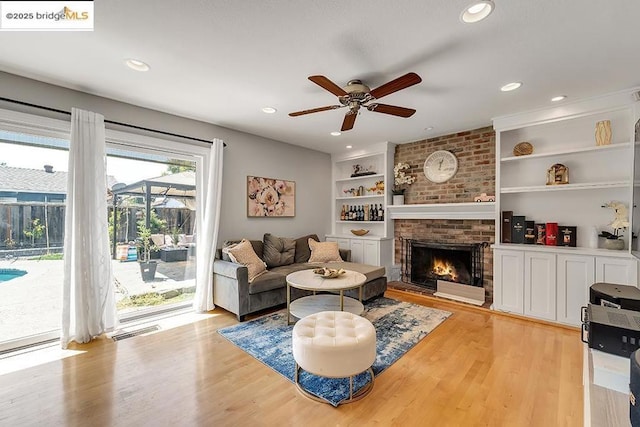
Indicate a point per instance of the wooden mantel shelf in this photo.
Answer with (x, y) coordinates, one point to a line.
(484, 210)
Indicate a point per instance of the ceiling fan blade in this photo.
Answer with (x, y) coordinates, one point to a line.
(391, 109)
(327, 84)
(349, 120)
(315, 110)
(400, 83)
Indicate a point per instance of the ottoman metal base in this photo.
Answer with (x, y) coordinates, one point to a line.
(352, 397)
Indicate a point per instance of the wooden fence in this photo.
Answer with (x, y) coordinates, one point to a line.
(16, 220)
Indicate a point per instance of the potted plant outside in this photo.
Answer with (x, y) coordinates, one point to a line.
(145, 246)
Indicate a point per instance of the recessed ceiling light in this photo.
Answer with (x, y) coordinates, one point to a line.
(477, 11)
(335, 133)
(511, 86)
(428, 128)
(269, 110)
(558, 98)
(137, 65)
(349, 146)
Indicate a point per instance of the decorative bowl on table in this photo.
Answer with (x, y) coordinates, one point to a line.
(360, 232)
(329, 273)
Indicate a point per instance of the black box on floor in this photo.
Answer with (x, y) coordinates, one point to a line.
(612, 330)
(614, 295)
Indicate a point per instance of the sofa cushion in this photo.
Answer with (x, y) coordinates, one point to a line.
(243, 253)
(324, 251)
(303, 252)
(278, 251)
(292, 268)
(267, 281)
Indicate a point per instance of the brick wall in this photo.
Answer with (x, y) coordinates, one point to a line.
(475, 151)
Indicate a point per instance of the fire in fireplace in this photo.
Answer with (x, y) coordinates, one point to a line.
(424, 263)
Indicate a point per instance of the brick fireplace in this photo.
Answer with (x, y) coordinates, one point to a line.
(475, 150)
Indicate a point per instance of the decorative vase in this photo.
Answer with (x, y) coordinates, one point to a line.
(603, 132)
(614, 244)
(398, 199)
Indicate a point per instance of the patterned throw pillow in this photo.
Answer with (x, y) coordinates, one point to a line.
(243, 253)
(324, 251)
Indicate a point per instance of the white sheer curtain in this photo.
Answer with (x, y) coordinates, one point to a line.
(88, 308)
(208, 236)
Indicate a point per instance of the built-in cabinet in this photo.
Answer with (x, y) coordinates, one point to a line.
(369, 190)
(550, 282)
(554, 285)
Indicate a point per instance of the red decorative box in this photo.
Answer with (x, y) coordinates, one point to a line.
(551, 238)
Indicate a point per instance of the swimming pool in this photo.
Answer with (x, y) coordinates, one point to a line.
(10, 273)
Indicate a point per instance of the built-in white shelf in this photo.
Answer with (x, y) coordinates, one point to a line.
(566, 187)
(564, 250)
(360, 178)
(360, 222)
(371, 196)
(484, 210)
(567, 151)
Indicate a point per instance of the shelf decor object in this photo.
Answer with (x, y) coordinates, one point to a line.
(523, 149)
(360, 232)
(558, 174)
(603, 132)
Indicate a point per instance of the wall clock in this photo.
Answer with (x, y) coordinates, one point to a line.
(440, 166)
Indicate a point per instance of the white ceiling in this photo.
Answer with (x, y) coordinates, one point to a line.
(221, 61)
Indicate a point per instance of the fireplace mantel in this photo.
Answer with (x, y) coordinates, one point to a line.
(484, 210)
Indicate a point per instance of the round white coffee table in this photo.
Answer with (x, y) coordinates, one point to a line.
(308, 280)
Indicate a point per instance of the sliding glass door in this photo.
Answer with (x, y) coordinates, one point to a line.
(153, 197)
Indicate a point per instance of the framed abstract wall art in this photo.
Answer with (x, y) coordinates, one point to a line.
(270, 197)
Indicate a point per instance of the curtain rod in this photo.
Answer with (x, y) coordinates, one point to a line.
(41, 107)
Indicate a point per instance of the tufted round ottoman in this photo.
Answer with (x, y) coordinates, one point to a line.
(334, 344)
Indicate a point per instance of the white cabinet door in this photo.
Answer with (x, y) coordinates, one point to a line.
(576, 274)
(508, 280)
(357, 251)
(617, 270)
(342, 243)
(540, 285)
(371, 252)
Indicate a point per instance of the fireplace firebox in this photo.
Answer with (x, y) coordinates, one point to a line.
(424, 263)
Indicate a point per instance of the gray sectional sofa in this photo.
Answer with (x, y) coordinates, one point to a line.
(233, 292)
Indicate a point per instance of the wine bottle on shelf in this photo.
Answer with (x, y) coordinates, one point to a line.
(366, 212)
(342, 213)
(380, 213)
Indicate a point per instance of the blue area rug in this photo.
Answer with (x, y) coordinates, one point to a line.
(399, 326)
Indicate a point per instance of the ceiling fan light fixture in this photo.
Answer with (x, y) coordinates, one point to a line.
(477, 11)
(335, 133)
(268, 110)
(558, 98)
(137, 65)
(511, 86)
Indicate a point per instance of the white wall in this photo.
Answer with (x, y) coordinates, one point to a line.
(244, 155)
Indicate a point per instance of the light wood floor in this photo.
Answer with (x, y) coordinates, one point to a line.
(477, 368)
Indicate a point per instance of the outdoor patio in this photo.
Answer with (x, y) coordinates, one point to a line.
(32, 304)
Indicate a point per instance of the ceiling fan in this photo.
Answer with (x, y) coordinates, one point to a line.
(356, 94)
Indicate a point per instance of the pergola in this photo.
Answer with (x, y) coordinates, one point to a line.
(180, 186)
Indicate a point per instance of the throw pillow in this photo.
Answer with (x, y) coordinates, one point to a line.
(302, 248)
(278, 250)
(324, 251)
(243, 253)
(228, 244)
